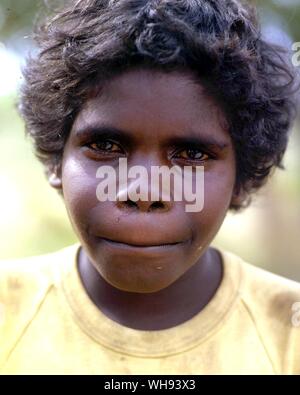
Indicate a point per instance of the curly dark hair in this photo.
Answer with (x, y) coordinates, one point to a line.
(220, 42)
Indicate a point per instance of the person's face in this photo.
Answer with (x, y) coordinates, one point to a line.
(157, 119)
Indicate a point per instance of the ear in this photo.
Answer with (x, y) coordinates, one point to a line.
(238, 197)
(55, 181)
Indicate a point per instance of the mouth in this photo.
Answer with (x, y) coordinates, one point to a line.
(137, 247)
(140, 245)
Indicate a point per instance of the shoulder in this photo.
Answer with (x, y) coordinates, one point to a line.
(272, 303)
(25, 276)
(269, 293)
(24, 285)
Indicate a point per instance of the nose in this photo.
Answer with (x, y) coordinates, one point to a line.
(126, 202)
(143, 206)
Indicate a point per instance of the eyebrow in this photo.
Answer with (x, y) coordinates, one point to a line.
(201, 141)
(95, 130)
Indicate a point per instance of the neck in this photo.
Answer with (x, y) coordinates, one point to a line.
(158, 310)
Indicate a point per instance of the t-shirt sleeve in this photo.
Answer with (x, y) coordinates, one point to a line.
(274, 305)
(22, 289)
(293, 349)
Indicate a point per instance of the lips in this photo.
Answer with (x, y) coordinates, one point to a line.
(135, 249)
(140, 244)
(139, 231)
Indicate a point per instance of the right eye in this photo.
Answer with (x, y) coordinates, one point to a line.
(106, 146)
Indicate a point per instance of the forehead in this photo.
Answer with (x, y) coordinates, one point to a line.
(154, 100)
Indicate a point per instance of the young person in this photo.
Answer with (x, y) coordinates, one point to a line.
(158, 83)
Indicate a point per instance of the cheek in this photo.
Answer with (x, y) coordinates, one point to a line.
(79, 190)
(218, 188)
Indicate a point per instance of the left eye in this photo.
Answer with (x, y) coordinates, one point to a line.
(105, 145)
(192, 154)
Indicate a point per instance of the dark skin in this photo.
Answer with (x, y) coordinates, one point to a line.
(147, 264)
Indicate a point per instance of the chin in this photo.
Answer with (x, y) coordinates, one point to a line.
(138, 281)
(140, 270)
(139, 288)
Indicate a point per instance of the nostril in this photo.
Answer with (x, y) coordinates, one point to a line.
(157, 205)
(142, 205)
(130, 203)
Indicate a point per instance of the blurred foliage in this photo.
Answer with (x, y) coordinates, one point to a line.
(19, 15)
(33, 216)
(289, 11)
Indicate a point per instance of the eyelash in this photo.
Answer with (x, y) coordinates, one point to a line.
(201, 150)
(120, 150)
(90, 144)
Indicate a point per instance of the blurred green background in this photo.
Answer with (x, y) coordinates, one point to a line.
(33, 217)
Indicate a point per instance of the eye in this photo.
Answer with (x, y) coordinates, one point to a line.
(193, 154)
(105, 146)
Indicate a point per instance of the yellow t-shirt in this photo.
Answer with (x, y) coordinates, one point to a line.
(49, 325)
